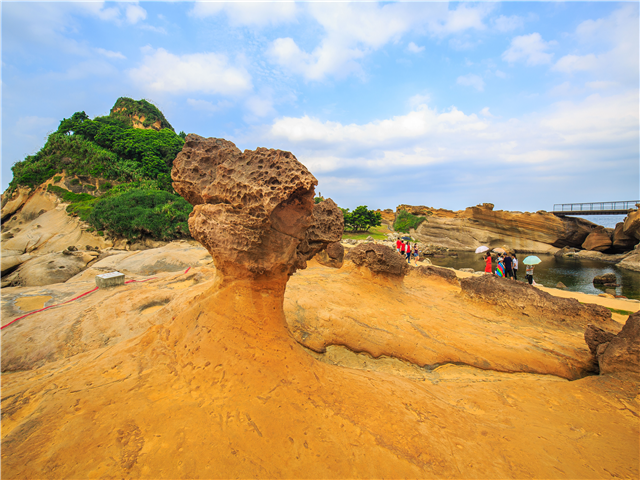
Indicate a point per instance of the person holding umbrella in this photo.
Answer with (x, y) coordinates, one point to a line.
(530, 262)
(486, 257)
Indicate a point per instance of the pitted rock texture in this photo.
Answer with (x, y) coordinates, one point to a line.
(622, 354)
(326, 230)
(379, 259)
(431, 271)
(522, 298)
(333, 256)
(252, 208)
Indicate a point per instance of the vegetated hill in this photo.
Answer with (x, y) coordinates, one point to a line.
(122, 160)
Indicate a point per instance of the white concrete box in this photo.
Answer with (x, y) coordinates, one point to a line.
(111, 279)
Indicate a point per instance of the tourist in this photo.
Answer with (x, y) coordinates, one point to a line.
(402, 248)
(487, 259)
(508, 267)
(529, 274)
(415, 253)
(408, 252)
(500, 267)
(398, 242)
(514, 266)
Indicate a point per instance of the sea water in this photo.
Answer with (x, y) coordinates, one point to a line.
(575, 273)
(607, 221)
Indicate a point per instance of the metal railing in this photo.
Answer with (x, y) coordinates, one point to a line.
(621, 206)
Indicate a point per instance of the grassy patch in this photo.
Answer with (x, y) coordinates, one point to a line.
(405, 221)
(620, 312)
(378, 233)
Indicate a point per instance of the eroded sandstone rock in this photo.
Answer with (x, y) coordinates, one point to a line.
(333, 256)
(379, 259)
(438, 272)
(595, 336)
(631, 225)
(520, 297)
(622, 354)
(622, 241)
(253, 209)
(598, 240)
(604, 279)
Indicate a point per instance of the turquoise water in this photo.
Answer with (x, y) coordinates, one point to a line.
(577, 274)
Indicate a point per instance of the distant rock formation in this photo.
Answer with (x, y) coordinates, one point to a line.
(598, 240)
(480, 225)
(443, 273)
(254, 210)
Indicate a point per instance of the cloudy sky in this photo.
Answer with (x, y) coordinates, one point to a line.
(442, 104)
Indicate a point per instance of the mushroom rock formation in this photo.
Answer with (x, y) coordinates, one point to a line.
(599, 240)
(622, 353)
(379, 260)
(253, 210)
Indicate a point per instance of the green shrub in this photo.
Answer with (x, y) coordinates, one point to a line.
(405, 221)
(138, 213)
(74, 181)
(57, 178)
(106, 186)
(90, 187)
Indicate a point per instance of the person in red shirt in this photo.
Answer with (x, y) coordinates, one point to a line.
(487, 268)
(402, 248)
(398, 242)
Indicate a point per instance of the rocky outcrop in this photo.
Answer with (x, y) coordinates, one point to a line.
(445, 274)
(622, 353)
(598, 240)
(524, 299)
(540, 232)
(252, 209)
(604, 279)
(11, 203)
(388, 216)
(378, 259)
(333, 256)
(50, 268)
(631, 225)
(623, 242)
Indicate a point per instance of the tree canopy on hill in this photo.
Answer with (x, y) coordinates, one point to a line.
(106, 147)
(361, 219)
(143, 203)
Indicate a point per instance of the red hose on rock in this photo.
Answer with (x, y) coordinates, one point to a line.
(76, 298)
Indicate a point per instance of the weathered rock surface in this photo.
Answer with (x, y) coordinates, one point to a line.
(12, 203)
(631, 225)
(524, 232)
(252, 209)
(522, 298)
(598, 240)
(378, 259)
(446, 274)
(632, 261)
(623, 242)
(594, 336)
(604, 279)
(49, 268)
(333, 256)
(622, 354)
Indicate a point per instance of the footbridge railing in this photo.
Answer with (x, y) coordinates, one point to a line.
(595, 208)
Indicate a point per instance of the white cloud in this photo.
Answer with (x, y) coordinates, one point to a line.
(615, 38)
(211, 73)
(471, 80)
(529, 48)
(500, 74)
(354, 30)
(413, 48)
(110, 54)
(508, 24)
(248, 13)
(135, 13)
(486, 113)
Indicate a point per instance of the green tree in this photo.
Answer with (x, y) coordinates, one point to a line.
(405, 221)
(361, 219)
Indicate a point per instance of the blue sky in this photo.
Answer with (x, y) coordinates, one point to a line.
(441, 104)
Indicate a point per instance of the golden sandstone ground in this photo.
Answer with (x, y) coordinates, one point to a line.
(234, 395)
(254, 367)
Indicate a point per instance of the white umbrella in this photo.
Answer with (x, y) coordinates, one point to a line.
(499, 250)
(482, 249)
(532, 260)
